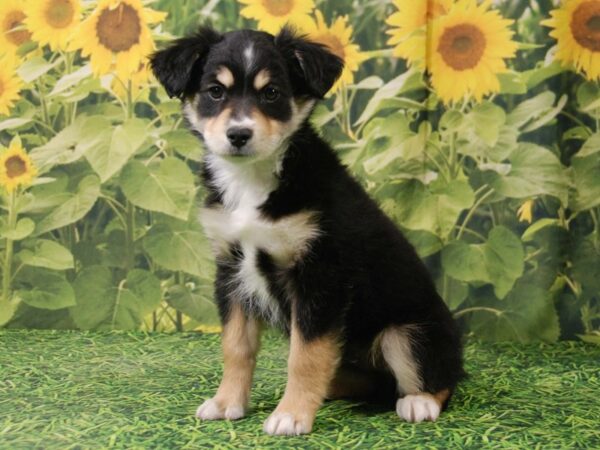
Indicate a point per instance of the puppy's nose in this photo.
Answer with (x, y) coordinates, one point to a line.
(239, 136)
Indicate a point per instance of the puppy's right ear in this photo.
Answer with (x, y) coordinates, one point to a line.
(175, 65)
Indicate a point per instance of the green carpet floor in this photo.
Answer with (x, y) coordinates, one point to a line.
(70, 390)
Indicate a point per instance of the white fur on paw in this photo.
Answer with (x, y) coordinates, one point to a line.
(280, 423)
(211, 410)
(417, 408)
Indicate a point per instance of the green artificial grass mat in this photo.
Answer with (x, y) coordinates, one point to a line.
(74, 390)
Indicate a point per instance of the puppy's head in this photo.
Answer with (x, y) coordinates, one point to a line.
(246, 92)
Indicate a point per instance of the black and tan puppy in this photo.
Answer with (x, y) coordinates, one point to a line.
(298, 242)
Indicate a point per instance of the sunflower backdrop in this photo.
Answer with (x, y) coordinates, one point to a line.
(475, 124)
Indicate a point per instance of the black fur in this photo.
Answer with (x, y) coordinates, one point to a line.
(361, 275)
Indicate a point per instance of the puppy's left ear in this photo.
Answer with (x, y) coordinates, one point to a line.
(177, 65)
(311, 64)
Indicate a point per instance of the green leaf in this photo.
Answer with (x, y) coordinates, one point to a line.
(14, 122)
(454, 292)
(586, 192)
(103, 304)
(46, 253)
(7, 311)
(487, 120)
(531, 109)
(408, 81)
(512, 83)
(547, 116)
(70, 144)
(588, 98)
(167, 187)
(499, 261)
(537, 76)
(526, 315)
(591, 146)
(23, 229)
(71, 79)
(398, 145)
(534, 171)
(425, 243)
(179, 247)
(76, 205)
(198, 307)
(372, 82)
(45, 289)
(530, 233)
(586, 264)
(35, 67)
(185, 144)
(125, 141)
(504, 259)
(436, 209)
(465, 262)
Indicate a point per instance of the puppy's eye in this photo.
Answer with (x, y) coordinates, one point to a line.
(216, 92)
(270, 94)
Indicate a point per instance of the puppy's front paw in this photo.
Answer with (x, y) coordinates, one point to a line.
(285, 423)
(213, 409)
(417, 408)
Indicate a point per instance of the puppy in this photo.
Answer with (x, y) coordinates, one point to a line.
(298, 243)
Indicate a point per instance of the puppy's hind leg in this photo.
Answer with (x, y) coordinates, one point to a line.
(397, 345)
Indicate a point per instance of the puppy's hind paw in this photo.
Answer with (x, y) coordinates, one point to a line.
(212, 409)
(417, 408)
(286, 424)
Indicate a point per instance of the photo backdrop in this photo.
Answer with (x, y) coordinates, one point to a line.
(474, 124)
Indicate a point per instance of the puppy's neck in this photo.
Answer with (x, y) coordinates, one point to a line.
(245, 184)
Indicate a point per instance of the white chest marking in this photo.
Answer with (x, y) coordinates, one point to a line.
(239, 222)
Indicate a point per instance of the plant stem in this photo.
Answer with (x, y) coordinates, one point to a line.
(7, 269)
(477, 204)
(130, 236)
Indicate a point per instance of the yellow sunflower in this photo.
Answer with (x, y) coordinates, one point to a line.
(273, 14)
(13, 32)
(116, 35)
(52, 22)
(16, 168)
(338, 38)
(408, 33)
(10, 83)
(466, 51)
(577, 28)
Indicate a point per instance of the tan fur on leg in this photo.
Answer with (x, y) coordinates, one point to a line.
(240, 342)
(311, 367)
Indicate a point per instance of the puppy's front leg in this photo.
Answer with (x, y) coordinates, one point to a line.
(240, 342)
(311, 367)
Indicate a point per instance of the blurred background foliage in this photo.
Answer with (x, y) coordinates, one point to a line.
(476, 126)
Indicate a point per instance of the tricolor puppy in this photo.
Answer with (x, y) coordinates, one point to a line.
(298, 243)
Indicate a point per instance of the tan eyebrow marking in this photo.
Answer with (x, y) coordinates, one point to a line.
(261, 79)
(225, 77)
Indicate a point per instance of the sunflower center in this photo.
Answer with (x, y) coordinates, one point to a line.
(585, 25)
(59, 13)
(15, 167)
(462, 46)
(13, 28)
(278, 7)
(119, 29)
(333, 44)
